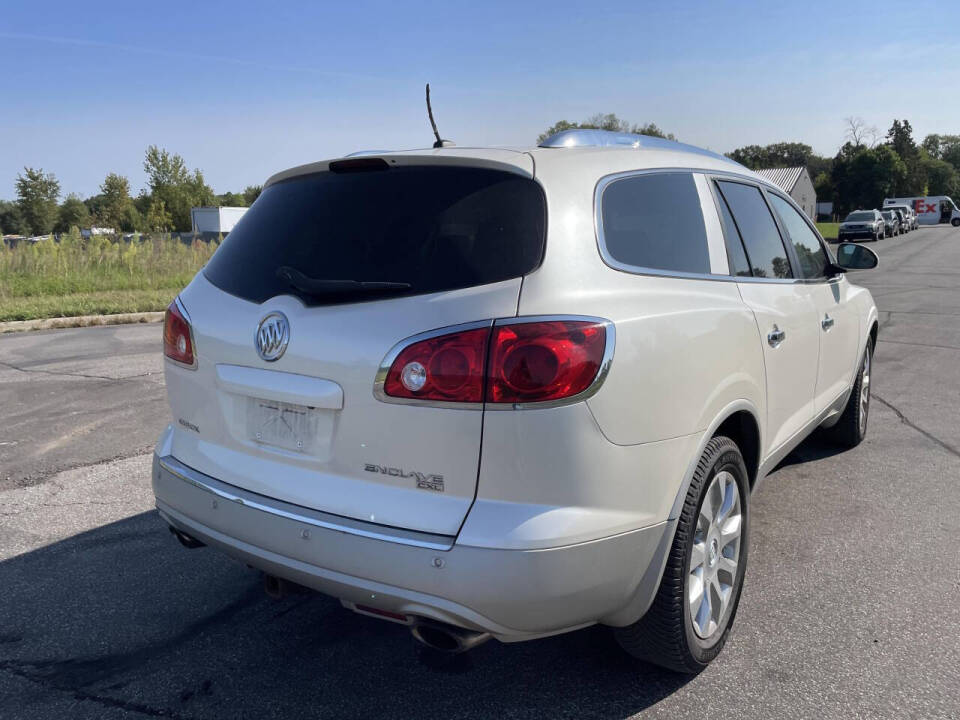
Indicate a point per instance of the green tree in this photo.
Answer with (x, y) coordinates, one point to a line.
(37, 194)
(943, 147)
(251, 193)
(606, 121)
(942, 177)
(73, 212)
(116, 205)
(823, 186)
(11, 221)
(230, 199)
(864, 176)
(158, 219)
(782, 154)
(174, 185)
(900, 140)
(653, 130)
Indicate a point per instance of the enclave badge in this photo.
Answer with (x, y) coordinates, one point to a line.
(425, 481)
(273, 334)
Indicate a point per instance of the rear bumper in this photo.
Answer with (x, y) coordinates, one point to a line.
(512, 594)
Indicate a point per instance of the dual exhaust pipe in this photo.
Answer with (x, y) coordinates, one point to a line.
(436, 635)
(446, 638)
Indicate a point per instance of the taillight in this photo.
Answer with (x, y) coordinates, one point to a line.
(177, 336)
(446, 368)
(541, 361)
(515, 362)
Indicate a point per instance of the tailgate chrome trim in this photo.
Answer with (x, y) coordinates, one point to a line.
(316, 518)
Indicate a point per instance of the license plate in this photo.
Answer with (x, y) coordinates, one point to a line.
(283, 425)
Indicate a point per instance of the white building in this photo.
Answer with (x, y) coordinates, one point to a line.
(797, 184)
(215, 219)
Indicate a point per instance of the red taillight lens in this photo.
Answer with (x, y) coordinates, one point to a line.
(445, 368)
(517, 362)
(540, 361)
(177, 338)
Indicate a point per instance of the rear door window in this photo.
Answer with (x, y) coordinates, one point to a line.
(333, 237)
(761, 238)
(736, 255)
(810, 253)
(655, 222)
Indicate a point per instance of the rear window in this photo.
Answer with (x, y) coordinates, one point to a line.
(401, 230)
(655, 222)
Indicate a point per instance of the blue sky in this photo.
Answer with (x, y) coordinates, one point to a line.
(242, 90)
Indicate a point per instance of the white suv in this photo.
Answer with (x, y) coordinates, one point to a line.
(510, 393)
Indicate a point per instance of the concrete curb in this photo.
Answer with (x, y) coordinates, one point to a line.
(80, 321)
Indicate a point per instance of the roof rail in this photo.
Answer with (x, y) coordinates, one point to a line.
(364, 153)
(583, 137)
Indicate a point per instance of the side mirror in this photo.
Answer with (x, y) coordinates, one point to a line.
(851, 256)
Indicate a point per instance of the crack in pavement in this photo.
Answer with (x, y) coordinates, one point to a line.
(43, 476)
(11, 366)
(74, 675)
(909, 423)
(20, 670)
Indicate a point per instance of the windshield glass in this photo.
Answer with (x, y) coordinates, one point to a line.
(391, 231)
(859, 216)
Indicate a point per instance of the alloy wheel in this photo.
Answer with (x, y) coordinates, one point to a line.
(712, 572)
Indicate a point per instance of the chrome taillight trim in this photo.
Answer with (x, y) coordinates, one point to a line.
(381, 377)
(604, 369)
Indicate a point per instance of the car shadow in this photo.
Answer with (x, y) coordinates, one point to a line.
(815, 447)
(123, 617)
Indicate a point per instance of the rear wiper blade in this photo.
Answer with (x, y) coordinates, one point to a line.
(318, 286)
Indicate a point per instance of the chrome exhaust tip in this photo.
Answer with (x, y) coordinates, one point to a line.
(446, 638)
(188, 541)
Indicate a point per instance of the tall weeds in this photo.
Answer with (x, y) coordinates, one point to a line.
(76, 265)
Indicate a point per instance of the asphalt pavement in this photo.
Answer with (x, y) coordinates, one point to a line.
(850, 607)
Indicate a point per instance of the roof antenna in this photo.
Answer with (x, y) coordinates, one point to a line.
(439, 142)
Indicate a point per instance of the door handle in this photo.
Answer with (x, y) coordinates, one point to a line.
(776, 336)
(827, 322)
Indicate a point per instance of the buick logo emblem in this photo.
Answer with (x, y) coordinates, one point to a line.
(273, 334)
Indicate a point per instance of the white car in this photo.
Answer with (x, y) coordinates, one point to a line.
(510, 393)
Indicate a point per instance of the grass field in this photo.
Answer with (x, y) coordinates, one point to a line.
(828, 230)
(99, 276)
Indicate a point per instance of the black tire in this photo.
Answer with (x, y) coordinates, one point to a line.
(665, 635)
(849, 430)
(875, 237)
(955, 222)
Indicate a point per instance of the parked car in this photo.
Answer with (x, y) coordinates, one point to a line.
(365, 403)
(909, 219)
(906, 221)
(891, 223)
(862, 224)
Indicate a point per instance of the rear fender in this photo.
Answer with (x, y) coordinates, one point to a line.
(650, 581)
